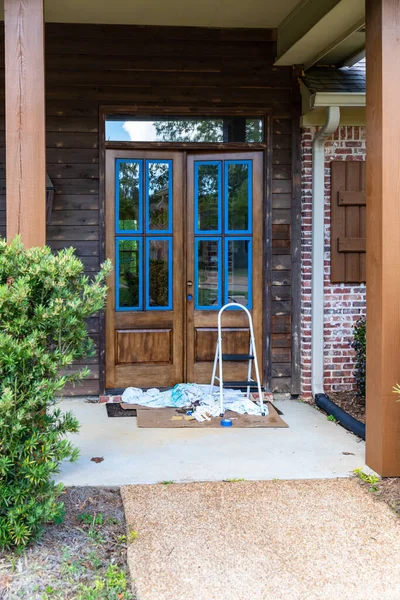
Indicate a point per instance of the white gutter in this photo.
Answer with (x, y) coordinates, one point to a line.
(326, 99)
(318, 246)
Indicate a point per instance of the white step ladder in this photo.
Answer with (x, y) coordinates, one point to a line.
(251, 357)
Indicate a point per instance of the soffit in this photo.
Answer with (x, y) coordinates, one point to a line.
(198, 13)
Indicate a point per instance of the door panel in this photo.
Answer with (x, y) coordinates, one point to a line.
(144, 317)
(236, 341)
(224, 258)
(144, 346)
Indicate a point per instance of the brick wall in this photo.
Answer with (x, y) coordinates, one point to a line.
(343, 303)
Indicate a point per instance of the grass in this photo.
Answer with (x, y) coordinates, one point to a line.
(372, 480)
(384, 489)
(83, 558)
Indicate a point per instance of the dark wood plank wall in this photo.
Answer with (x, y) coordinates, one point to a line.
(92, 65)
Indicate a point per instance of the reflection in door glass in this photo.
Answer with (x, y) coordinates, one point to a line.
(185, 129)
(129, 274)
(158, 195)
(208, 289)
(208, 193)
(238, 266)
(129, 191)
(237, 191)
(254, 130)
(159, 276)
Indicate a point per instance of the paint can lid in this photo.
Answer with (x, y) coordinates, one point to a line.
(226, 422)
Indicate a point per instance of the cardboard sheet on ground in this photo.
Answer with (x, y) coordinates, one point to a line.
(173, 418)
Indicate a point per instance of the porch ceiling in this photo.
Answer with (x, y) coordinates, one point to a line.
(328, 32)
(203, 13)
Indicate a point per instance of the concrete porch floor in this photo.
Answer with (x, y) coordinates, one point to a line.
(312, 447)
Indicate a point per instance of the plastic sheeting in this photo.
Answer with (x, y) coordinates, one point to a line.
(201, 398)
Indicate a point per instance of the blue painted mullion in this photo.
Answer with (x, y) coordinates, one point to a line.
(170, 198)
(250, 277)
(119, 231)
(217, 231)
(249, 229)
(147, 273)
(249, 268)
(140, 273)
(226, 271)
(217, 239)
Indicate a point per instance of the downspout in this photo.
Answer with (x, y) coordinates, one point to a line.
(318, 247)
(317, 292)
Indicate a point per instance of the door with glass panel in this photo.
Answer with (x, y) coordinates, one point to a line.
(144, 239)
(224, 259)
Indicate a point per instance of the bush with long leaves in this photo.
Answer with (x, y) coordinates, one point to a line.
(359, 344)
(44, 301)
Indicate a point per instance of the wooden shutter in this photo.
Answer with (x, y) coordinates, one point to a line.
(348, 226)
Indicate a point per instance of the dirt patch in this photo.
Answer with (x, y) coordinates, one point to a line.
(385, 490)
(83, 558)
(351, 403)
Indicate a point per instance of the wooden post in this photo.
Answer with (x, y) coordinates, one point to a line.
(25, 121)
(383, 235)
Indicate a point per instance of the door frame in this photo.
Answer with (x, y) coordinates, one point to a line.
(265, 147)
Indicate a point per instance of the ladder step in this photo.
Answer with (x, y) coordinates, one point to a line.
(237, 357)
(241, 384)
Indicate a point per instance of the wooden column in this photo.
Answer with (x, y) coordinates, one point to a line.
(25, 121)
(383, 235)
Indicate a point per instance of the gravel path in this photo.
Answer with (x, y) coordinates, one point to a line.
(272, 540)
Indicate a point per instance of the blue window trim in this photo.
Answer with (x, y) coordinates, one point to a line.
(170, 197)
(249, 269)
(196, 197)
(249, 163)
(118, 161)
(117, 306)
(170, 267)
(196, 273)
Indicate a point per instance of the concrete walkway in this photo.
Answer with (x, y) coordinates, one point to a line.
(297, 540)
(312, 447)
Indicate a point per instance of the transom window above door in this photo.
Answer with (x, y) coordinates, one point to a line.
(125, 128)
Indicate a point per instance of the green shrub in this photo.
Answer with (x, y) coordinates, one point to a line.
(44, 301)
(359, 345)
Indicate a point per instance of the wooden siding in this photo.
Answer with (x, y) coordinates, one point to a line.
(92, 65)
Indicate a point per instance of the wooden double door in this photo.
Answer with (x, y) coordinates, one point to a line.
(184, 232)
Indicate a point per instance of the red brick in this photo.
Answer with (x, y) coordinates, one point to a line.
(343, 303)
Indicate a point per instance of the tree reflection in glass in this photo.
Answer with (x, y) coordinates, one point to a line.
(208, 291)
(158, 195)
(158, 273)
(128, 275)
(238, 196)
(128, 180)
(208, 182)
